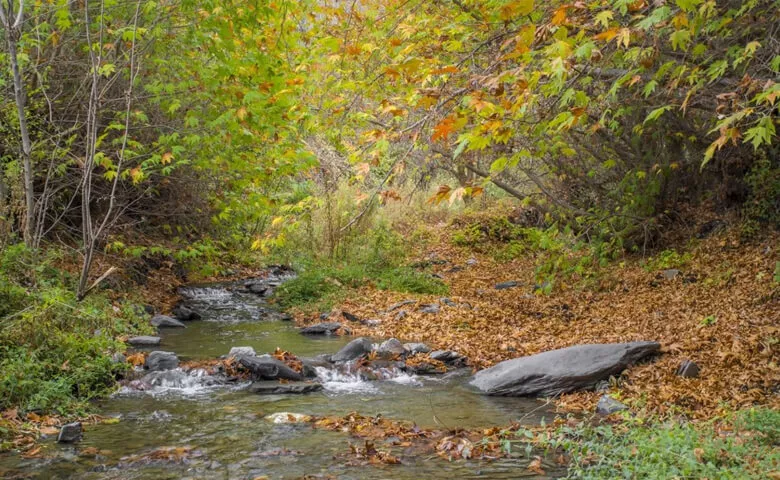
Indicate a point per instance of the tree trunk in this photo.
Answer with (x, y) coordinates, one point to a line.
(11, 30)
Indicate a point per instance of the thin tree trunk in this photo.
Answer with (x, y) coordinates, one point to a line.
(11, 30)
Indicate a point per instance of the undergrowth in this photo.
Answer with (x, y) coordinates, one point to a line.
(55, 352)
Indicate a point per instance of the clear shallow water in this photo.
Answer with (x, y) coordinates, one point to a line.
(226, 436)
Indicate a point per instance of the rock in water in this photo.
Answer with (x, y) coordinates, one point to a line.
(287, 417)
(555, 372)
(242, 351)
(159, 360)
(324, 328)
(268, 368)
(271, 387)
(143, 341)
(69, 433)
(164, 321)
(391, 348)
(354, 349)
(608, 405)
(185, 313)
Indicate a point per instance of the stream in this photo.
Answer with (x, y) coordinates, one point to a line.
(220, 428)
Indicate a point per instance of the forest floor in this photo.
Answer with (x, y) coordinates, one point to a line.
(720, 310)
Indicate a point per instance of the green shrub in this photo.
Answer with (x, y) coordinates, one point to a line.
(763, 204)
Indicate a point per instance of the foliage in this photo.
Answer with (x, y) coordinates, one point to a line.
(55, 353)
(667, 259)
(763, 204)
(742, 446)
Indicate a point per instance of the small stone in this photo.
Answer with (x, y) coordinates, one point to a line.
(374, 322)
(398, 305)
(324, 315)
(608, 405)
(506, 285)
(416, 348)
(390, 348)
(324, 328)
(401, 314)
(671, 274)
(143, 341)
(471, 261)
(351, 317)
(455, 269)
(448, 302)
(446, 356)
(70, 433)
(118, 357)
(287, 417)
(241, 351)
(430, 308)
(164, 321)
(688, 369)
(159, 360)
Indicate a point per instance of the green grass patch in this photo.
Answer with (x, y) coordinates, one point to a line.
(744, 446)
(319, 287)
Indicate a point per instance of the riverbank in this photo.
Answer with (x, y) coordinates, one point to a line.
(714, 303)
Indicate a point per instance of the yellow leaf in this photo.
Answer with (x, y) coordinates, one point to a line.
(241, 113)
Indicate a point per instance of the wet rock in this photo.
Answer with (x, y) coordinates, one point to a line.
(506, 285)
(143, 341)
(430, 308)
(310, 365)
(391, 348)
(670, 274)
(555, 372)
(242, 351)
(448, 302)
(70, 433)
(415, 348)
(287, 417)
(354, 349)
(275, 388)
(258, 288)
(423, 368)
(324, 328)
(185, 313)
(398, 305)
(688, 369)
(266, 367)
(164, 321)
(159, 360)
(608, 405)
(351, 317)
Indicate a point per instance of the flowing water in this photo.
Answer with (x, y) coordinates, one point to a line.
(220, 430)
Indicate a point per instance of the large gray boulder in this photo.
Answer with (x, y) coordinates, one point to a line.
(354, 349)
(556, 372)
(159, 360)
(266, 367)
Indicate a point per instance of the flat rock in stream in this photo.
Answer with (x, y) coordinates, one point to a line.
(271, 387)
(556, 372)
(323, 328)
(164, 321)
(143, 341)
(354, 349)
(268, 368)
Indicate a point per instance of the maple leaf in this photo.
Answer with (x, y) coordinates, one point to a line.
(443, 129)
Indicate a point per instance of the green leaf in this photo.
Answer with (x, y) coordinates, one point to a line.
(655, 114)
